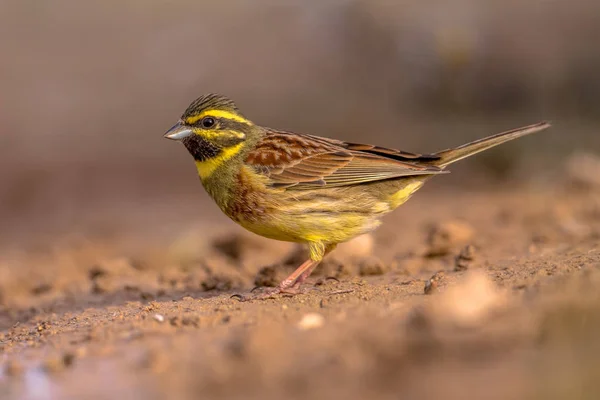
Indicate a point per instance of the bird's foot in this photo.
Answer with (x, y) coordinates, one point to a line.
(271, 293)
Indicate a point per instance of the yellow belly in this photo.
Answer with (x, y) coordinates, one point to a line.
(327, 215)
(352, 213)
(325, 228)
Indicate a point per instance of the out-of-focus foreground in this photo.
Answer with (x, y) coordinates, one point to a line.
(116, 268)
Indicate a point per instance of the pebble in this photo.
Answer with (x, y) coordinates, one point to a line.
(431, 286)
(159, 317)
(311, 321)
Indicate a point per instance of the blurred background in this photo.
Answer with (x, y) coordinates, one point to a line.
(87, 90)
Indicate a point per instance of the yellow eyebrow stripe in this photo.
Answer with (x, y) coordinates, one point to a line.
(217, 114)
(207, 167)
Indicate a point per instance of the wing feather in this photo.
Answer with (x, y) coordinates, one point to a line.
(297, 161)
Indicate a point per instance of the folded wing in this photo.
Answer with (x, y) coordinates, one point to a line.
(307, 162)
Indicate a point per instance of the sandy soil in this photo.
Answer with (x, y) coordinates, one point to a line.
(483, 294)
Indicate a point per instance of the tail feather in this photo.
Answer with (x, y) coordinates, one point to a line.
(447, 157)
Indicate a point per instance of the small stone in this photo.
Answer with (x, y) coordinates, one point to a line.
(311, 321)
(159, 317)
(431, 286)
(43, 326)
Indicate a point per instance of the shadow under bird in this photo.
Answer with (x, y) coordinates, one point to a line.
(303, 188)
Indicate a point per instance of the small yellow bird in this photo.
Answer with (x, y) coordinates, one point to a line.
(303, 188)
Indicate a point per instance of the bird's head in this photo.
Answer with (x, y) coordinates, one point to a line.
(213, 130)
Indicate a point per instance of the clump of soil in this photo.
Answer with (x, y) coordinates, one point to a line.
(464, 260)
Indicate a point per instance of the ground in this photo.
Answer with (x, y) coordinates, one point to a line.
(486, 293)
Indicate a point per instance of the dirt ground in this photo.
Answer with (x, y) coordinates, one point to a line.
(489, 293)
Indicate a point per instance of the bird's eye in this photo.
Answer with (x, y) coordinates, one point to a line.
(208, 122)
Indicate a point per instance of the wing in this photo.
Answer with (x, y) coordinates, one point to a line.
(303, 161)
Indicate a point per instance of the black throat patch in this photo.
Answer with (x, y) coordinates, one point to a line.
(200, 149)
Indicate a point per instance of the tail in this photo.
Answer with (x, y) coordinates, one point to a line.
(447, 157)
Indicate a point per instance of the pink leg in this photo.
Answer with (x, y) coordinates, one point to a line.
(299, 275)
(291, 284)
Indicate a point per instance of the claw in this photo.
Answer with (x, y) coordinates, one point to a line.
(239, 297)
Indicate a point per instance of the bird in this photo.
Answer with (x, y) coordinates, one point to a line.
(303, 188)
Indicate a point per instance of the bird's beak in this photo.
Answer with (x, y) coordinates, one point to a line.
(178, 132)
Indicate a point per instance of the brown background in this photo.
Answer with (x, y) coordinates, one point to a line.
(88, 88)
